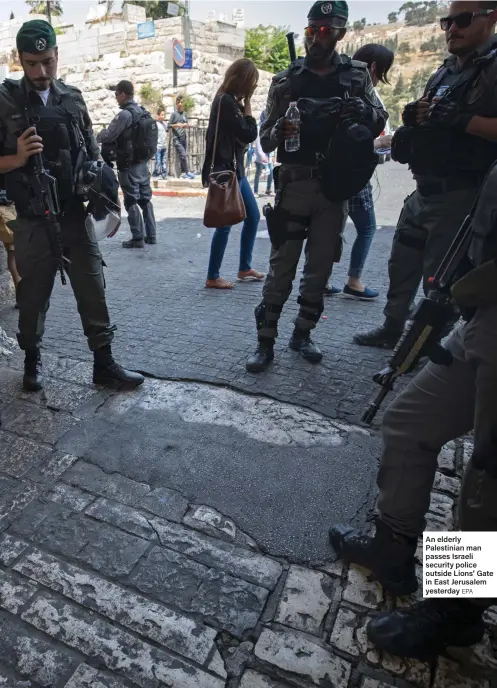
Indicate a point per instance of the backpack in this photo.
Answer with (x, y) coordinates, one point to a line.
(349, 163)
(144, 136)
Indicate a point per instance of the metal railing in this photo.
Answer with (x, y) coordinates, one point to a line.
(195, 148)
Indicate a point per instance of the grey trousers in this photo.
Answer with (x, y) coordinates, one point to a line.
(37, 266)
(439, 405)
(426, 227)
(323, 248)
(135, 184)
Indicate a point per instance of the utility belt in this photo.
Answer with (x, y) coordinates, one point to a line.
(287, 175)
(447, 185)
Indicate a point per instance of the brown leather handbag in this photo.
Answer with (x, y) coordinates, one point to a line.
(224, 206)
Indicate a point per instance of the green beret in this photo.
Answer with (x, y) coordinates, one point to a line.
(36, 36)
(326, 10)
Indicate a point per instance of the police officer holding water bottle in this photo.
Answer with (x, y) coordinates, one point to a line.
(304, 213)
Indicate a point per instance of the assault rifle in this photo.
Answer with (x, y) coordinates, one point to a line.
(45, 203)
(290, 37)
(429, 321)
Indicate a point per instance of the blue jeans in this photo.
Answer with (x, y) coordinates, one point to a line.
(259, 166)
(247, 239)
(365, 224)
(161, 163)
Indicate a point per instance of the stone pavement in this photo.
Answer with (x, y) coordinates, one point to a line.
(170, 326)
(108, 580)
(176, 535)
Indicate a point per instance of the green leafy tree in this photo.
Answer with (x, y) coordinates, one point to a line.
(42, 8)
(267, 47)
(422, 13)
(358, 26)
(12, 16)
(156, 9)
(392, 18)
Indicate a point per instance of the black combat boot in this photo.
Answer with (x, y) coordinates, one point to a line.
(388, 555)
(384, 337)
(32, 380)
(427, 628)
(301, 341)
(109, 373)
(133, 243)
(150, 240)
(261, 357)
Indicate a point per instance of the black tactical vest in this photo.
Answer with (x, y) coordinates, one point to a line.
(64, 147)
(124, 144)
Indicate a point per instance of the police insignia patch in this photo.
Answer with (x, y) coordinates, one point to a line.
(326, 9)
(40, 44)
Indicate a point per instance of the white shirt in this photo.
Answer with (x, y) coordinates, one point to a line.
(44, 95)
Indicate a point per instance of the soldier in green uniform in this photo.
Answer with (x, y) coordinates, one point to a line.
(314, 219)
(449, 142)
(63, 136)
(439, 405)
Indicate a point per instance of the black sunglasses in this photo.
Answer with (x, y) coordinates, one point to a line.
(463, 20)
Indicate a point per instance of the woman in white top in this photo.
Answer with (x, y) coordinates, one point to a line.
(361, 207)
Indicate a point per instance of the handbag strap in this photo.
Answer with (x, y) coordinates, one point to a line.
(215, 138)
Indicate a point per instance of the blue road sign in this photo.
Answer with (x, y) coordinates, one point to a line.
(146, 29)
(178, 53)
(188, 63)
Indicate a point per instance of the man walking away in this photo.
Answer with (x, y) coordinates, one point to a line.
(179, 124)
(161, 155)
(133, 130)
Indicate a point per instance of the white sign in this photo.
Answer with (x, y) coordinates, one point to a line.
(172, 9)
(133, 14)
(459, 564)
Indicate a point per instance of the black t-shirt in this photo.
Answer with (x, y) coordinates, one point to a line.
(178, 118)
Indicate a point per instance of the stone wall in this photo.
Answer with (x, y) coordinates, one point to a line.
(96, 57)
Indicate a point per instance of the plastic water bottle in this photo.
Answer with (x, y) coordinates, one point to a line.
(293, 115)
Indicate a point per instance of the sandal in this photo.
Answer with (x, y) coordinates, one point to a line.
(250, 276)
(219, 283)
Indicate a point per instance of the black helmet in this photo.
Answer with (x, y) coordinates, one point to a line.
(97, 183)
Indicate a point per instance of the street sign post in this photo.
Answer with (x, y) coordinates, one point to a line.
(178, 53)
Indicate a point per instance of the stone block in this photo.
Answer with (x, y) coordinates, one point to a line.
(211, 522)
(299, 654)
(87, 677)
(234, 604)
(252, 679)
(444, 483)
(14, 592)
(169, 576)
(118, 650)
(52, 468)
(31, 657)
(103, 547)
(165, 503)
(305, 600)
(36, 423)
(230, 558)
(121, 516)
(19, 455)
(10, 549)
(448, 675)
(71, 497)
(113, 485)
(342, 636)
(447, 458)
(174, 631)
(373, 683)
(15, 501)
(359, 590)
